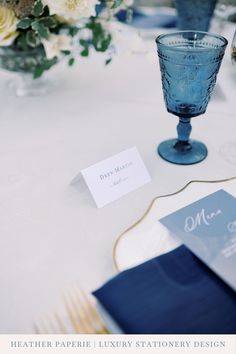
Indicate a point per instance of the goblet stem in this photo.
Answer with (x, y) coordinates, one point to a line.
(183, 151)
(184, 129)
(25, 85)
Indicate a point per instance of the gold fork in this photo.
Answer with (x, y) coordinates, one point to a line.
(82, 314)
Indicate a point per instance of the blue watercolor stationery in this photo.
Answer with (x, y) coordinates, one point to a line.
(208, 228)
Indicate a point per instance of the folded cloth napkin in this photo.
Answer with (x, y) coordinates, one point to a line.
(144, 21)
(171, 294)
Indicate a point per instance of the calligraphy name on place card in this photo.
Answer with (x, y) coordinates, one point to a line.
(116, 176)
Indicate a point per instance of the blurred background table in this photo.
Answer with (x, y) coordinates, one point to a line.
(52, 235)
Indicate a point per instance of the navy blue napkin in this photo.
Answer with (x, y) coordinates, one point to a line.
(144, 21)
(171, 294)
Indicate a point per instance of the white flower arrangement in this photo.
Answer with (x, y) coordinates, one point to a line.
(49, 26)
(72, 10)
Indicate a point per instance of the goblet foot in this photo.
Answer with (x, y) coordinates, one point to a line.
(182, 153)
(25, 85)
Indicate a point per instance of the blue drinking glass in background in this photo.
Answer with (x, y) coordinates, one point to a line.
(189, 63)
(195, 14)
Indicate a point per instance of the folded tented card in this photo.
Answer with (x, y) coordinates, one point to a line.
(208, 228)
(116, 176)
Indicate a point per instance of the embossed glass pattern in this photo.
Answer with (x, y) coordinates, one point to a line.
(189, 63)
(24, 63)
(228, 150)
(195, 14)
(21, 61)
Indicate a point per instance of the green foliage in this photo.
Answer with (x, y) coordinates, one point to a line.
(48, 21)
(85, 50)
(40, 29)
(45, 65)
(25, 23)
(32, 39)
(116, 4)
(36, 27)
(101, 40)
(38, 8)
(71, 61)
(108, 61)
(66, 52)
(21, 42)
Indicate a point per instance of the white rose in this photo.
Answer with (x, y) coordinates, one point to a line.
(128, 2)
(55, 44)
(8, 22)
(72, 10)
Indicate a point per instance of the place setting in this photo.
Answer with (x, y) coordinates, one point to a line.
(139, 231)
(173, 257)
(194, 244)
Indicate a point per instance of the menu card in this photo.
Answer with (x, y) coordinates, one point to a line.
(208, 228)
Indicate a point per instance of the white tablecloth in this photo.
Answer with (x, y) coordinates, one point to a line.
(52, 235)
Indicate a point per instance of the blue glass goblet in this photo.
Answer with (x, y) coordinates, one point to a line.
(189, 63)
(195, 14)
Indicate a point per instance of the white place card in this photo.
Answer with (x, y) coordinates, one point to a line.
(116, 176)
